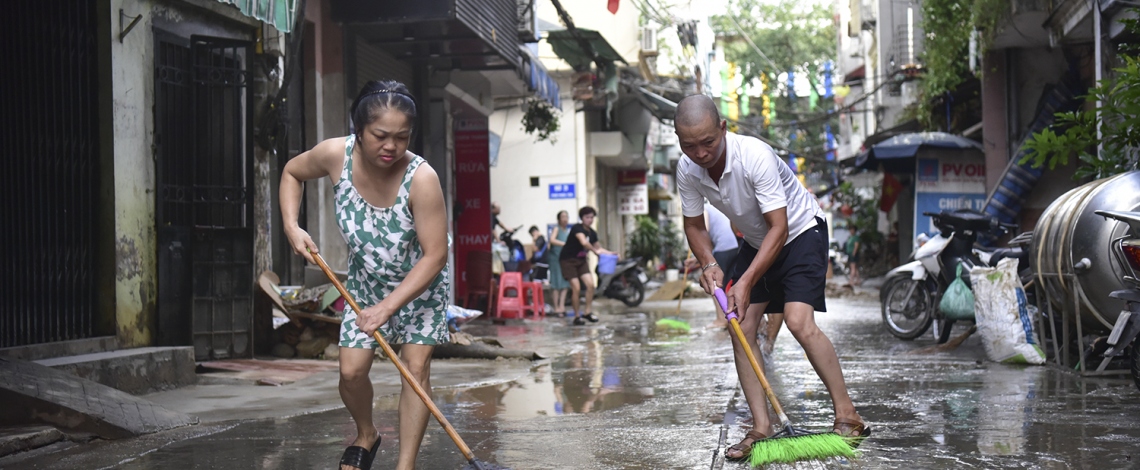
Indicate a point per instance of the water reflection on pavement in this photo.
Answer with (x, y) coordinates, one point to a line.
(628, 394)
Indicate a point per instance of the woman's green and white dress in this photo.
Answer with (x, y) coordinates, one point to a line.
(383, 247)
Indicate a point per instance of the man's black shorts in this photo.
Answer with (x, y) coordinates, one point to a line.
(798, 275)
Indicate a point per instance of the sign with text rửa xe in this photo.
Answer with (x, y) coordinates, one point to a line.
(633, 199)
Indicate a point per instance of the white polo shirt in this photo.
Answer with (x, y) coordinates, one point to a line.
(755, 181)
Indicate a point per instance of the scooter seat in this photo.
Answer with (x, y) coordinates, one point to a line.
(1003, 253)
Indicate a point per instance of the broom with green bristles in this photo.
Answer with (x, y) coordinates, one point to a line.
(790, 444)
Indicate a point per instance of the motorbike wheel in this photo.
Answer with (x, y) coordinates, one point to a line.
(634, 289)
(907, 307)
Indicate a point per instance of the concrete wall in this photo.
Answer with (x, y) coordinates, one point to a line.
(134, 183)
(326, 116)
(892, 15)
(521, 158)
(995, 109)
(855, 51)
(1029, 71)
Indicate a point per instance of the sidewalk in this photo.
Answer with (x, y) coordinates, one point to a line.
(237, 396)
(229, 392)
(839, 286)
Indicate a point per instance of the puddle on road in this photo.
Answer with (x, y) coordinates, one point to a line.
(603, 373)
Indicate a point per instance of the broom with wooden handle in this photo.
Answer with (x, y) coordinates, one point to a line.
(790, 444)
(472, 462)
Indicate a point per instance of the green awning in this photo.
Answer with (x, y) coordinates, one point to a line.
(566, 45)
(279, 13)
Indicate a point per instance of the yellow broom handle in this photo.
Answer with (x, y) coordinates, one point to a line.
(404, 372)
(684, 278)
(731, 316)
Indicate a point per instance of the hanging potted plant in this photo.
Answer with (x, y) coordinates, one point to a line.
(541, 120)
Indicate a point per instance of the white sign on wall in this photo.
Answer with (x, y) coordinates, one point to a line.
(948, 183)
(633, 199)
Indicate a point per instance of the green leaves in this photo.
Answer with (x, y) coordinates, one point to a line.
(645, 241)
(650, 240)
(541, 117)
(793, 35)
(947, 25)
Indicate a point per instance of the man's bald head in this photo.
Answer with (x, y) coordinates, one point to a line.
(700, 131)
(696, 110)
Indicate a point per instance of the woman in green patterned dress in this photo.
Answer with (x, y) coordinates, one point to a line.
(558, 284)
(390, 209)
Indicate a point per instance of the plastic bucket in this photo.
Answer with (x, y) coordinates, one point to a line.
(607, 263)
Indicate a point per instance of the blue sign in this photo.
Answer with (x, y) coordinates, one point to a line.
(938, 202)
(562, 191)
(928, 169)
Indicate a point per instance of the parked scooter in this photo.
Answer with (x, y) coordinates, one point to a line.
(626, 283)
(1126, 249)
(837, 256)
(911, 292)
(514, 248)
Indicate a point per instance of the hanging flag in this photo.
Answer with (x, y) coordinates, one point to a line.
(827, 88)
(792, 85)
(891, 190)
(613, 6)
(792, 156)
(830, 142)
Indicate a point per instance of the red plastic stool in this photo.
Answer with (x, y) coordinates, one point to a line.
(510, 307)
(537, 303)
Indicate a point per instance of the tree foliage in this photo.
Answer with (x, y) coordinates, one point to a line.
(948, 25)
(798, 36)
(793, 36)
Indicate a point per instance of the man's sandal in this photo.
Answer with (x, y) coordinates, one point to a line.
(745, 445)
(359, 457)
(853, 431)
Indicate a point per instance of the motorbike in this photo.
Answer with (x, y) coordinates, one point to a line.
(911, 293)
(514, 247)
(837, 256)
(1122, 342)
(626, 283)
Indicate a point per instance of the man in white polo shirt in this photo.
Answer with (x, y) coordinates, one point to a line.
(782, 265)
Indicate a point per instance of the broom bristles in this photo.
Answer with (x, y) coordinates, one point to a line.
(797, 448)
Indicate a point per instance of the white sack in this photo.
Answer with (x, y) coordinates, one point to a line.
(1003, 316)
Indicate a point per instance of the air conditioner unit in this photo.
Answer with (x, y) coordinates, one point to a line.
(528, 21)
(648, 39)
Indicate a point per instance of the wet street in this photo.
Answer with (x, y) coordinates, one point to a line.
(628, 394)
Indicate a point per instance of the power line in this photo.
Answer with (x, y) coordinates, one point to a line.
(750, 43)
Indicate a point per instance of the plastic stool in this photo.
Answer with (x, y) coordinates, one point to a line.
(510, 307)
(537, 303)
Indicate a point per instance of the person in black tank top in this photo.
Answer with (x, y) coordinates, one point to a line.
(575, 267)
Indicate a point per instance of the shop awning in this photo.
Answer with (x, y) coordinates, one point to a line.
(279, 13)
(658, 105)
(855, 75)
(566, 46)
(538, 79)
(897, 153)
(906, 145)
